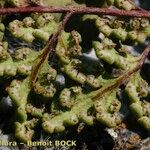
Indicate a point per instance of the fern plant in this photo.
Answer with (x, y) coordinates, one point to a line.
(89, 96)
